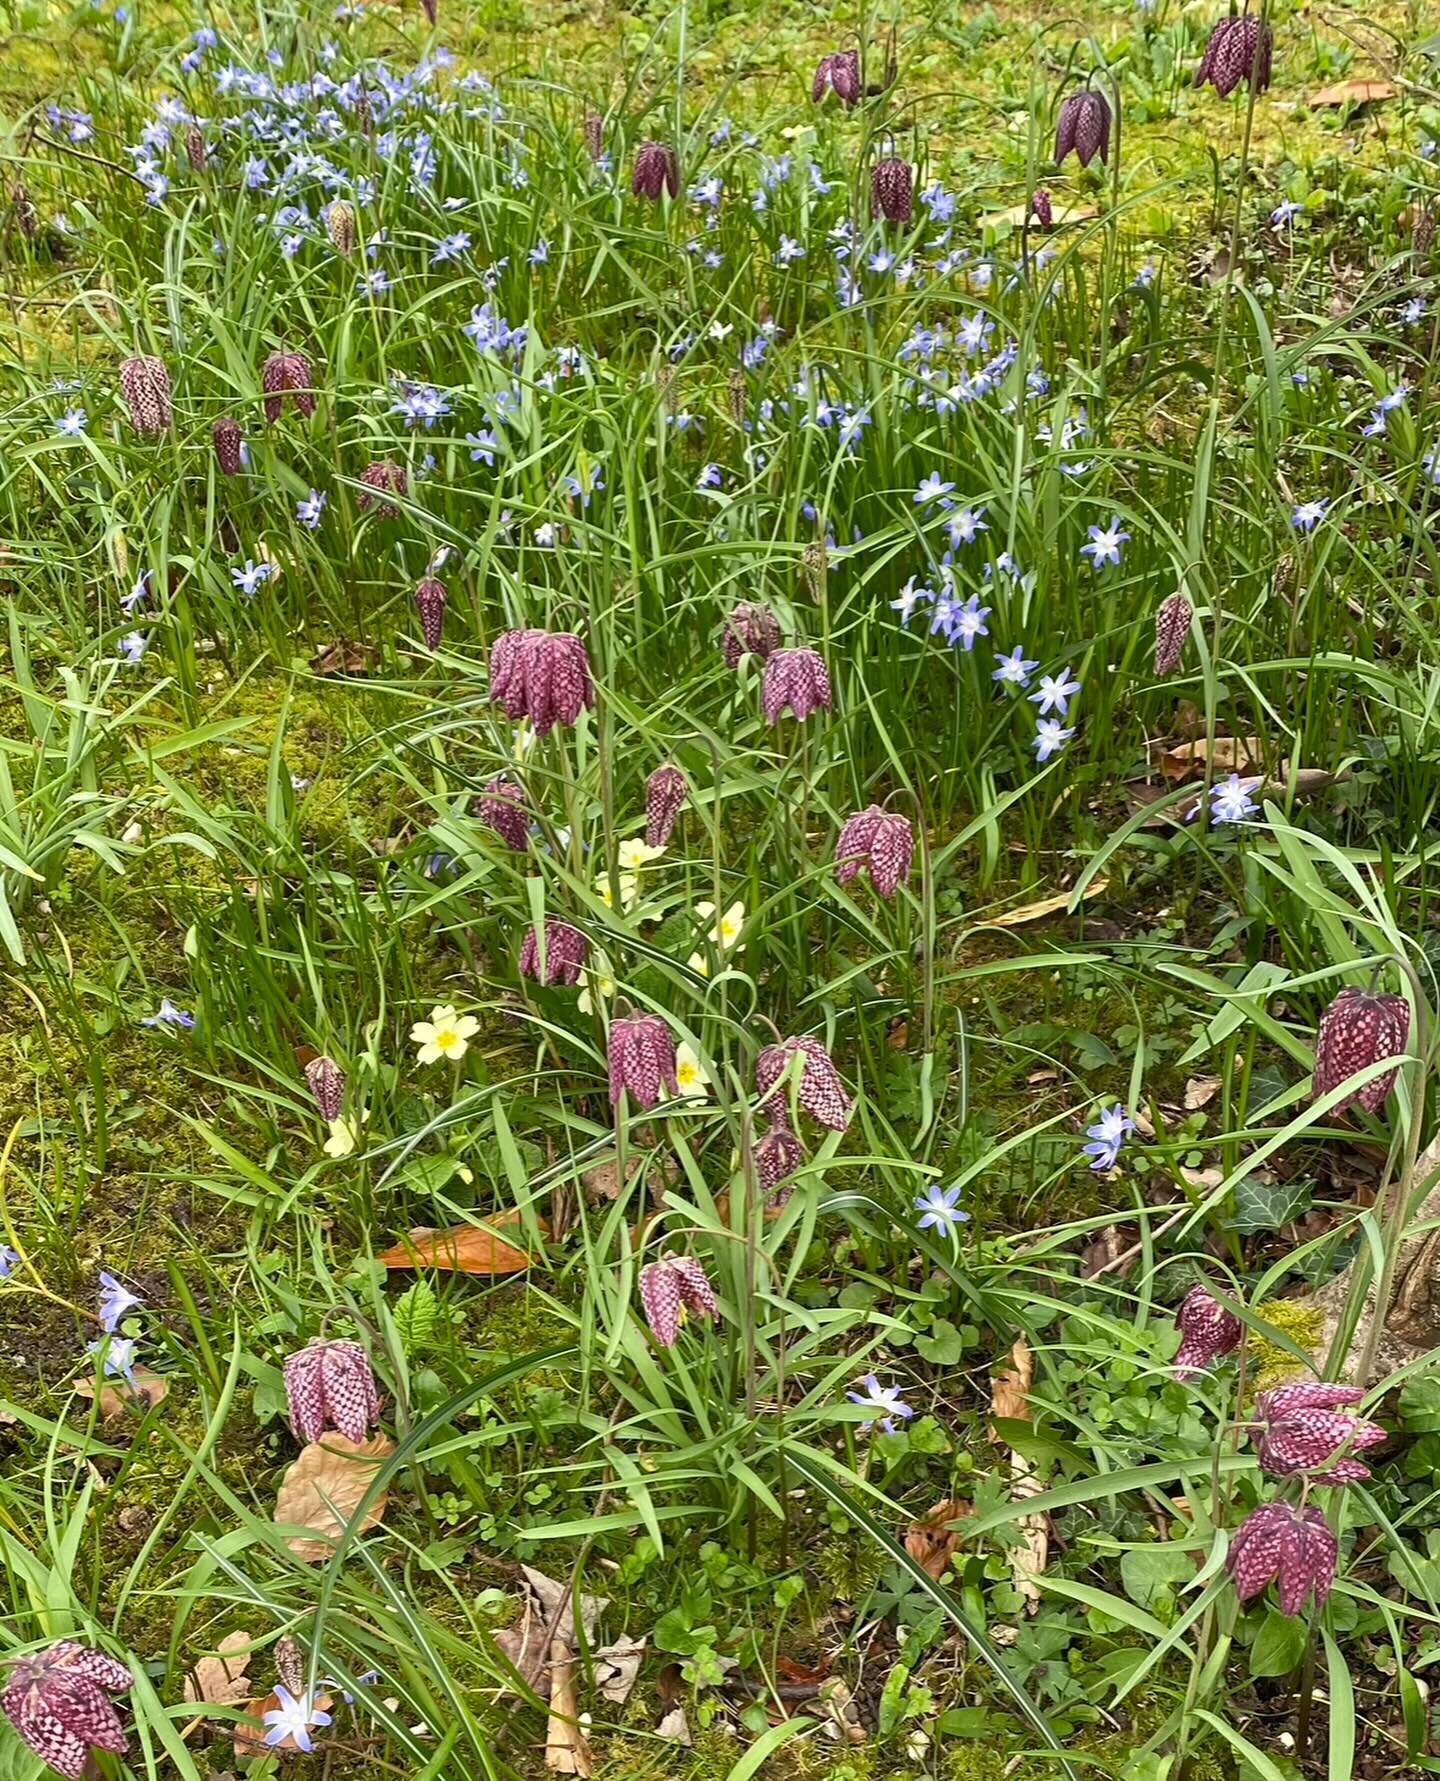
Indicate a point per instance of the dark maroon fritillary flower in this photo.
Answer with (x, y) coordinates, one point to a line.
(642, 1059)
(430, 600)
(819, 1090)
(594, 135)
(656, 170)
(58, 1702)
(1238, 49)
(287, 373)
(1303, 1428)
(330, 1385)
(1208, 1329)
(327, 1084)
(1043, 209)
(566, 953)
(502, 808)
(797, 679)
(195, 151)
(145, 385)
(892, 190)
(778, 1154)
(229, 438)
(750, 629)
(838, 74)
(1360, 1027)
(1172, 632)
(879, 843)
(542, 675)
(1295, 1547)
(665, 793)
(1084, 126)
(381, 479)
(671, 1287)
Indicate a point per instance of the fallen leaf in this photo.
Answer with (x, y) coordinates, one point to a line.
(551, 1597)
(249, 1733)
(1201, 1177)
(117, 1395)
(323, 1490)
(788, 1669)
(1008, 1389)
(1014, 918)
(602, 1183)
(1009, 1402)
(616, 1668)
(463, 1249)
(674, 1726)
(221, 1680)
(547, 1613)
(1225, 754)
(1104, 1251)
(930, 1542)
(341, 657)
(1200, 1091)
(566, 1751)
(840, 1704)
(1354, 92)
(1143, 1122)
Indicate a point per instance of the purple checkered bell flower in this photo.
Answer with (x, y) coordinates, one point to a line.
(750, 629)
(542, 675)
(57, 1702)
(1238, 49)
(796, 678)
(670, 1288)
(877, 842)
(1084, 126)
(379, 480)
(838, 74)
(566, 953)
(327, 1084)
(1360, 1027)
(1304, 1426)
(330, 1385)
(820, 1091)
(1279, 1543)
(430, 598)
(665, 793)
(1172, 632)
(1044, 210)
(501, 807)
(892, 191)
(642, 1060)
(656, 170)
(229, 438)
(778, 1154)
(145, 385)
(1208, 1329)
(287, 373)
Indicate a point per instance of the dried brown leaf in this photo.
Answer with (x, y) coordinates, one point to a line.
(1009, 1402)
(117, 1396)
(1015, 918)
(1225, 754)
(1200, 1091)
(616, 1668)
(463, 1249)
(840, 1704)
(343, 658)
(221, 1680)
(323, 1490)
(930, 1542)
(1353, 92)
(1008, 1388)
(566, 1750)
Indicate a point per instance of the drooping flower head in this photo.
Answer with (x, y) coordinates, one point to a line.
(1084, 126)
(287, 373)
(1043, 209)
(145, 385)
(1295, 1547)
(502, 808)
(327, 1085)
(1359, 1028)
(878, 842)
(797, 679)
(1172, 631)
(116, 1303)
(378, 480)
(340, 227)
(838, 74)
(542, 675)
(567, 952)
(642, 1060)
(330, 1385)
(818, 1090)
(1304, 1427)
(671, 1287)
(665, 793)
(778, 1154)
(656, 170)
(229, 438)
(58, 1702)
(892, 191)
(1238, 49)
(1208, 1329)
(750, 629)
(430, 598)
(594, 135)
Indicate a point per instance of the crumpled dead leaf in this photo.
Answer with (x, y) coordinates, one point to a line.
(1009, 1402)
(1015, 918)
(674, 1726)
(547, 1614)
(616, 1668)
(602, 1182)
(1200, 1091)
(463, 1249)
(839, 1703)
(1353, 92)
(343, 658)
(221, 1680)
(566, 1749)
(1225, 754)
(324, 1488)
(117, 1395)
(929, 1542)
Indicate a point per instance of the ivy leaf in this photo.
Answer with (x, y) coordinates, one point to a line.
(1267, 1205)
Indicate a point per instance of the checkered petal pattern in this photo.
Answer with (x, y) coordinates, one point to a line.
(1208, 1329)
(542, 675)
(878, 842)
(145, 385)
(331, 1385)
(892, 191)
(750, 629)
(1304, 1428)
(669, 1288)
(1172, 632)
(58, 1702)
(378, 480)
(566, 953)
(642, 1060)
(229, 438)
(797, 680)
(1360, 1028)
(656, 170)
(1084, 127)
(502, 808)
(327, 1084)
(665, 793)
(430, 598)
(820, 1092)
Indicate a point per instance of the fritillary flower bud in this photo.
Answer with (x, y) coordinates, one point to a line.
(819, 1091)
(290, 1663)
(58, 1702)
(566, 954)
(330, 1385)
(669, 1288)
(665, 793)
(364, 113)
(796, 678)
(878, 842)
(1359, 1028)
(892, 191)
(594, 135)
(287, 372)
(1084, 126)
(145, 385)
(656, 170)
(1043, 209)
(381, 479)
(1208, 1329)
(750, 630)
(430, 599)
(1172, 631)
(1304, 1427)
(229, 440)
(542, 675)
(814, 566)
(340, 227)
(1238, 49)
(642, 1060)
(838, 74)
(1295, 1547)
(502, 808)
(432, 9)
(778, 1154)
(195, 148)
(327, 1084)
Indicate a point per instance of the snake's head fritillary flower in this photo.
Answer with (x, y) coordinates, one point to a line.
(778, 1154)
(327, 1084)
(145, 385)
(229, 438)
(1305, 1426)
(671, 1287)
(665, 793)
(656, 170)
(379, 480)
(288, 373)
(1044, 210)
(502, 808)
(892, 191)
(838, 74)
(1207, 1329)
(594, 135)
(430, 598)
(642, 1060)
(340, 227)
(1084, 126)
(878, 842)
(1172, 631)
(1238, 49)
(1293, 1547)
(58, 1701)
(750, 629)
(331, 1385)
(542, 675)
(567, 952)
(818, 1090)
(1360, 1027)
(796, 679)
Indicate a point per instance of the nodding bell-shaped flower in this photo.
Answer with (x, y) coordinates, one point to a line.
(542, 675)
(1359, 1028)
(502, 808)
(567, 952)
(1084, 126)
(820, 1091)
(796, 679)
(878, 842)
(671, 1287)
(229, 438)
(330, 1385)
(1238, 49)
(778, 1154)
(838, 74)
(642, 1060)
(287, 373)
(327, 1085)
(892, 191)
(430, 598)
(656, 170)
(1208, 1329)
(1304, 1427)
(750, 629)
(1172, 632)
(340, 227)
(1043, 209)
(58, 1701)
(145, 385)
(665, 793)
(594, 135)
(378, 480)
(1294, 1547)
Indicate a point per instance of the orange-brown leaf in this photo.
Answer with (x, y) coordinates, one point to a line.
(929, 1542)
(463, 1249)
(323, 1490)
(1354, 92)
(1008, 1387)
(221, 1680)
(117, 1395)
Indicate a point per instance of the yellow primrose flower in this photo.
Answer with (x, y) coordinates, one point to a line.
(445, 1035)
(629, 890)
(691, 1074)
(344, 1136)
(597, 982)
(635, 853)
(727, 930)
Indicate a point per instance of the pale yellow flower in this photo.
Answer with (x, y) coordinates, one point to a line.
(629, 890)
(727, 929)
(445, 1035)
(635, 853)
(344, 1136)
(691, 1074)
(597, 983)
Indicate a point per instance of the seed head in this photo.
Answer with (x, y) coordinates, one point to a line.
(430, 599)
(145, 385)
(566, 953)
(195, 148)
(56, 1700)
(879, 843)
(892, 191)
(1084, 125)
(1304, 1427)
(381, 479)
(642, 1060)
(1293, 1546)
(671, 1287)
(1360, 1028)
(814, 566)
(502, 808)
(327, 1084)
(820, 1091)
(656, 170)
(750, 629)
(330, 1385)
(665, 793)
(1238, 49)
(229, 440)
(1208, 1329)
(340, 227)
(838, 74)
(542, 675)
(1172, 630)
